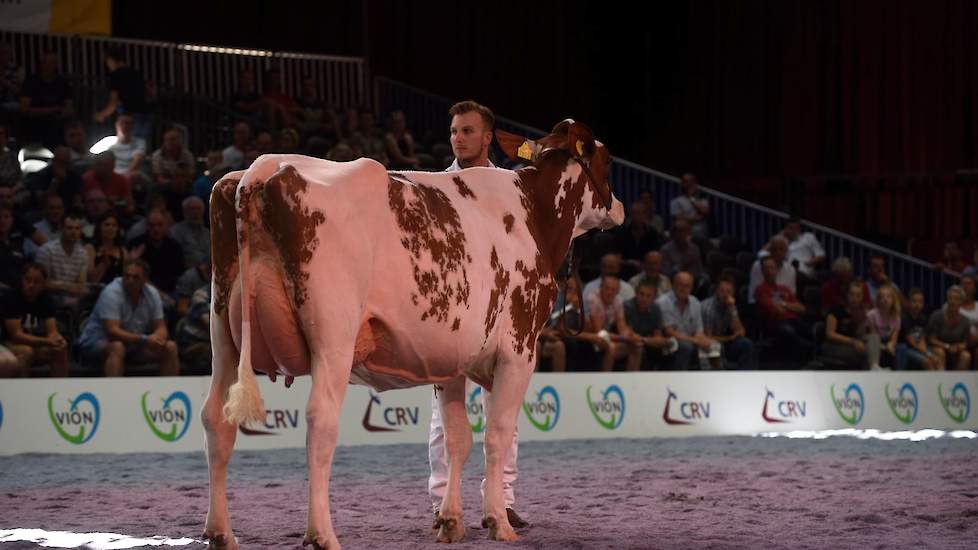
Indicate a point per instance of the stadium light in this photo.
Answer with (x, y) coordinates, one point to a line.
(103, 144)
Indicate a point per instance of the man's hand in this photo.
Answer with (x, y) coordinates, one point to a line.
(859, 345)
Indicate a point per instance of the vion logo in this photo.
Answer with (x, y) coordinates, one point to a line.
(276, 420)
(904, 404)
(850, 404)
(690, 412)
(957, 403)
(76, 420)
(609, 411)
(544, 412)
(170, 420)
(475, 410)
(388, 419)
(782, 412)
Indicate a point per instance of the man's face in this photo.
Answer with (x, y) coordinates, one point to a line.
(96, 205)
(968, 284)
(156, 227)
(682, 285)
(770, 271)
(680, 232)
(123, 126)
(953, 302)
(32, 284)
(171, 142)
(609, 289)
(71, 231)
(877, 268)
(644, 297)
(54, 209)
(724, 292)
(916, 303)
(6, 197)
(75, 138)
(469, 136)
(133, 279)
(193, 211)
(792, 230)
(779, 250)
(855, 295)
(242, 133)
(653, 263)
(6, 221)
(610, 264)
(689, 183)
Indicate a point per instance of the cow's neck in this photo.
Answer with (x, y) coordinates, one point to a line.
(551, 215)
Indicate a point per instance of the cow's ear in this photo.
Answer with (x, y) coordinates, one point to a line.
(580, 140)
(517, 148)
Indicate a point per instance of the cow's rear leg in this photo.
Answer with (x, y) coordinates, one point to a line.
(220, 434)
(330, 376)
(502, 408)
(458, 445)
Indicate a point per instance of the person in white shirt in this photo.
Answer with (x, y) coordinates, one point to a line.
(610, 265)
(803, 248)
(129, 150)
(777, 248)
(692, 207)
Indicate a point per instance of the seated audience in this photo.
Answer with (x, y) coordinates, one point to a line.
(162, 254)
(884, 320)
(106, 253)
(610, 266)
(652, 271)
(691, 207)
(913, 350)
(721, 322)
(11, 251)
(787, 276)
(781, 312)
(803, 248)
(66, 264)
(683, 320)
(191, 233)
(606, 315)
(876, 277)
(57, 178)
(681, 254)
(116, 187)
(193, 332)
(835, 290)
(947, 332)
(847, 335)
(29, 324)
(171, 154)
(400, 144)
(644, 325)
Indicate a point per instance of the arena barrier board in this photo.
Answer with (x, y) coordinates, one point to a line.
(151, 414)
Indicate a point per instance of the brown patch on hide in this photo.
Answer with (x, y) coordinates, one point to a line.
(508, 220)
(430, 223)
(224, 241)
(292, 225)
(497, 292)
(530, 304)
(463, 189)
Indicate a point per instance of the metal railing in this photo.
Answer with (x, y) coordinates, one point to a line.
(751, 224)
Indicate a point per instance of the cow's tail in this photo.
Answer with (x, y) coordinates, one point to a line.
(244, 402)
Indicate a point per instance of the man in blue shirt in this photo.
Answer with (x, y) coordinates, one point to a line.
(127, 325)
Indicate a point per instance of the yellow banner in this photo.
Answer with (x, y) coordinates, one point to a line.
(81, 17)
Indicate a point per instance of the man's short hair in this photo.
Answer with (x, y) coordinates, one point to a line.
(769, 259)
(791, 220)
(648, 283)
(141, 263)
(728, 278)
(914, 291)
(956, 289)
(842, 265)
(462, 107)
(34, 266)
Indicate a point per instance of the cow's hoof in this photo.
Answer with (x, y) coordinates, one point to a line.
(320, 542)
(450, 529)
(500, 532)
(220, 541)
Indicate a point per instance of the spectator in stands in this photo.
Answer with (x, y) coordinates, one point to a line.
(681, 254)
(803, 248)
(127, 94)
(636, 237)
(214, 171)
(692, 207)
(66, 264)
(973, 268)
(178, 189)
(156, 202)
(400, 143)
(606, 315)
(11, 250)
(884, 320)
(947, 332)
(913, 349)
(683, 319)
(847, 333)
(582, 348)
(312, 115)
(655, 220)
(234, 154)
(129, 150)
(550, 345)
(877, 278)
(721, 322)
(162, 254)
(193, 332)
(644, 324)
(191, 234)
(781, 311)
(610, 267)
(20, 228)
(953, 260)
(246, 103)
(969, 307)
(45, 103)
(835, 290)
(288, 141)
(116, 187)
(169, 155)
(96, 205)
(278, 104)
(28, 321)
(651, 270)
(54, 213)
(188, 283)
(11, 79)
(372, 137)
(10, 174)
(58, 178)
(77, 143)
(777, 249)
(127, 326)
(106, 253)
(264, 143)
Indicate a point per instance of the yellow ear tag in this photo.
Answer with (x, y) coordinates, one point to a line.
(525, 151)
(580, 148)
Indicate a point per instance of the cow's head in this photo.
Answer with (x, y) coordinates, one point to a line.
(573, 144)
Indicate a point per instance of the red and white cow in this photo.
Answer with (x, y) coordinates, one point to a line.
(352, 274)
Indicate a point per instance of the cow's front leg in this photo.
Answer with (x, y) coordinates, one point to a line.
(502, 409)
(330, 375)
(220, 436)
(458, 445)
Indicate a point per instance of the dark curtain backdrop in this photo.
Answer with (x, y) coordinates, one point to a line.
(725, 88)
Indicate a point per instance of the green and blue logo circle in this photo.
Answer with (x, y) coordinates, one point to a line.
(956, 403)
(544, 411)
(174, 412)
(850, 404)
(904, 404)
(78, 422)
(474, 409)
(609, 410)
